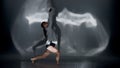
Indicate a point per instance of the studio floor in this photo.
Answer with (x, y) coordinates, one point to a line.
(12, 61)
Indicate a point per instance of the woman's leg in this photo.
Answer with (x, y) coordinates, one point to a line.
(57, 57)
(55, 51)
(41, 56)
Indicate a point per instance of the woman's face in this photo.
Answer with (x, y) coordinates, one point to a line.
(45, 25)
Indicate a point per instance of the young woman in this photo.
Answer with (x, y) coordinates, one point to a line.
(50, 47)
(52, 33)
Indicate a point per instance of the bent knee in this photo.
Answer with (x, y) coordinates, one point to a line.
(57, 53)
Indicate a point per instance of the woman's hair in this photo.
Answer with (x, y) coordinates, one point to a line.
(44, 30)
(42, 24)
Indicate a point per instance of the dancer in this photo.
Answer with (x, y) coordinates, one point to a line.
(50, 47)
(52, 34)
(53, 28)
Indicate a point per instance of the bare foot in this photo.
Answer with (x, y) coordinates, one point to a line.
(33, 60)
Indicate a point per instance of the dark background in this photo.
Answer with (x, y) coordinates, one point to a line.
(7, 47)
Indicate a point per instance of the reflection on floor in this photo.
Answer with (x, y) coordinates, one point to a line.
(69, 62)
(54, 65)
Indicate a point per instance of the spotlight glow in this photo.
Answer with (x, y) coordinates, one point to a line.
(37, 17)
(65, 17)
(85, 41)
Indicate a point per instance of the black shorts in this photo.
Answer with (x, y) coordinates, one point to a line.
(51, 44)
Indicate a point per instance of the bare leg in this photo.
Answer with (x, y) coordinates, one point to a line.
(55, 51)
(57, 57)
(41, 56)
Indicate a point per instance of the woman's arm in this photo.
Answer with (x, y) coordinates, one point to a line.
(52, 22)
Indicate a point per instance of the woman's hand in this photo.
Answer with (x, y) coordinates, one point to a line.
(50, 9)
